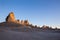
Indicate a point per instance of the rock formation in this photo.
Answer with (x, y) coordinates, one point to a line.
(24, 22)
(10, 17)
(18, 21)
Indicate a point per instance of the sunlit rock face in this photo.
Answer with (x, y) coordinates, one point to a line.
(10, 17)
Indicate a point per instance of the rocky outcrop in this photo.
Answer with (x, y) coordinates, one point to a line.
(24, 22)
(10, 17)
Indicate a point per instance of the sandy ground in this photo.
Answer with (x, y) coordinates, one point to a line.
(11, 35)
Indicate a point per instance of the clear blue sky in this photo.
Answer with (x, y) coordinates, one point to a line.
(39, 12)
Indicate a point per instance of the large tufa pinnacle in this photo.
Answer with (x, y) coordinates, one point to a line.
(10, 17)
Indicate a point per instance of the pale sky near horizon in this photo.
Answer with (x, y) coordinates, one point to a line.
(38, 12)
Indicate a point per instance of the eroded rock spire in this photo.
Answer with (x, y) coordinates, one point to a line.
(10, 17)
